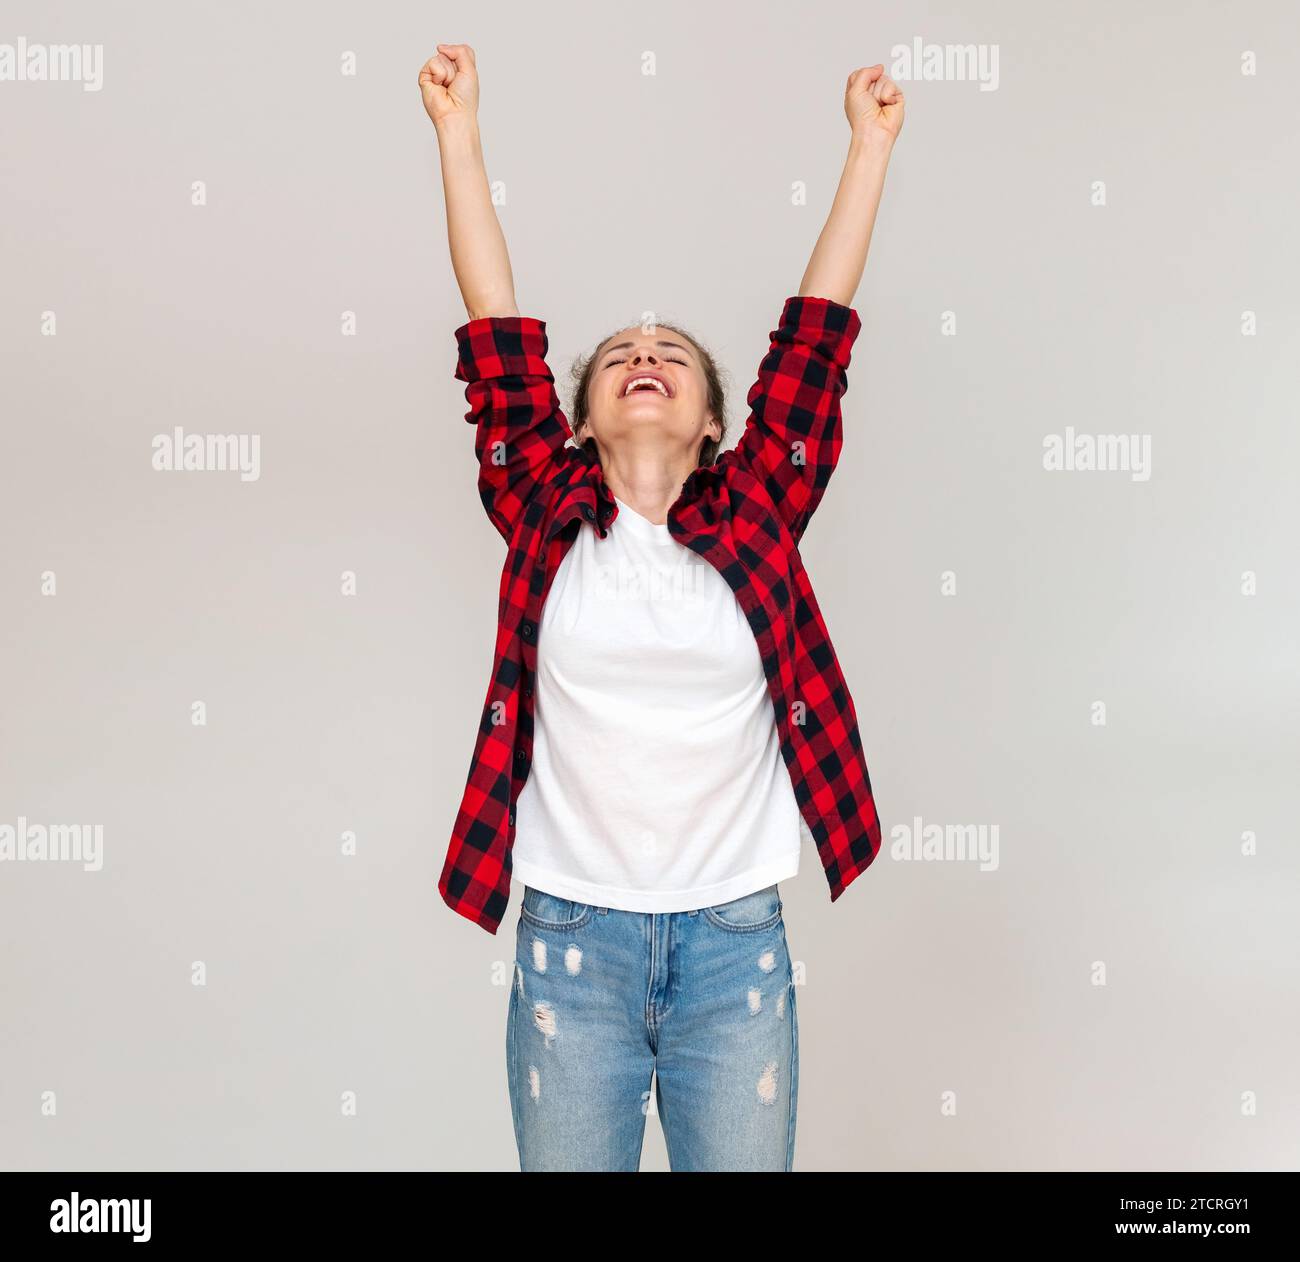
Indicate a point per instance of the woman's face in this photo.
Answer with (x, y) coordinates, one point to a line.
(649, 390)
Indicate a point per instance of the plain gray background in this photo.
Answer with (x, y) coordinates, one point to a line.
(1120, 845)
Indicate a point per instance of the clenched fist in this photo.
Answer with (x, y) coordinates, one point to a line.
(873, 103)
(449, 83)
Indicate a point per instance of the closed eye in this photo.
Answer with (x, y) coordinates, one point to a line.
(667, 359)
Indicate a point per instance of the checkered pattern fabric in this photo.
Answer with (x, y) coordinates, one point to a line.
(745, 515)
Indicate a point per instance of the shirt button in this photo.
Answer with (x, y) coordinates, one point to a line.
(528, 688)
(587, 512)
(520, 756)
(527, 630)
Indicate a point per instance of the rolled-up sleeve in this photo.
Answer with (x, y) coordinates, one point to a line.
(521, 430)
(794, 431)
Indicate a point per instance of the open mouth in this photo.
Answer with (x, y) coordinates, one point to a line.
(647, 381)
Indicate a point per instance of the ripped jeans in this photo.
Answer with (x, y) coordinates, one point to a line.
(605, 1000)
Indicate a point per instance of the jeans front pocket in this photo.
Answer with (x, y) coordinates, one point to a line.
(748, 914)
(546, 911)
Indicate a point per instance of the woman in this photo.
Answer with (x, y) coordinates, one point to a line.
(666, 711)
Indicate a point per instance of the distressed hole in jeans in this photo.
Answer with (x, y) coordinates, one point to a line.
(767, 961)
(573, 960)
(544, 1017)
(767, 1083)
(539, 955)
(755, 1002)
(534, 1082)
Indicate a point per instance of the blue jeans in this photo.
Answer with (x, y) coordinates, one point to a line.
(702, 1001)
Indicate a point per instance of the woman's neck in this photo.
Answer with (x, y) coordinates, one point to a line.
(649, 482)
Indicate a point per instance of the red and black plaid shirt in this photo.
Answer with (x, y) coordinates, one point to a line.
(745, 514)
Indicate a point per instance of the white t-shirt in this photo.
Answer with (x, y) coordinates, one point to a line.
(657, 782)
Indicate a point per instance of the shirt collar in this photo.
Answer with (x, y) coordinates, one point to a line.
(590, 498)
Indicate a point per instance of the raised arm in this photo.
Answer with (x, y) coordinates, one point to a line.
(449, 85)
(793, 435)
(520, 431)
(873, 105)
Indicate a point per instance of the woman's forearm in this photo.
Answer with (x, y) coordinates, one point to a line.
(835, 268)
(479, 255)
